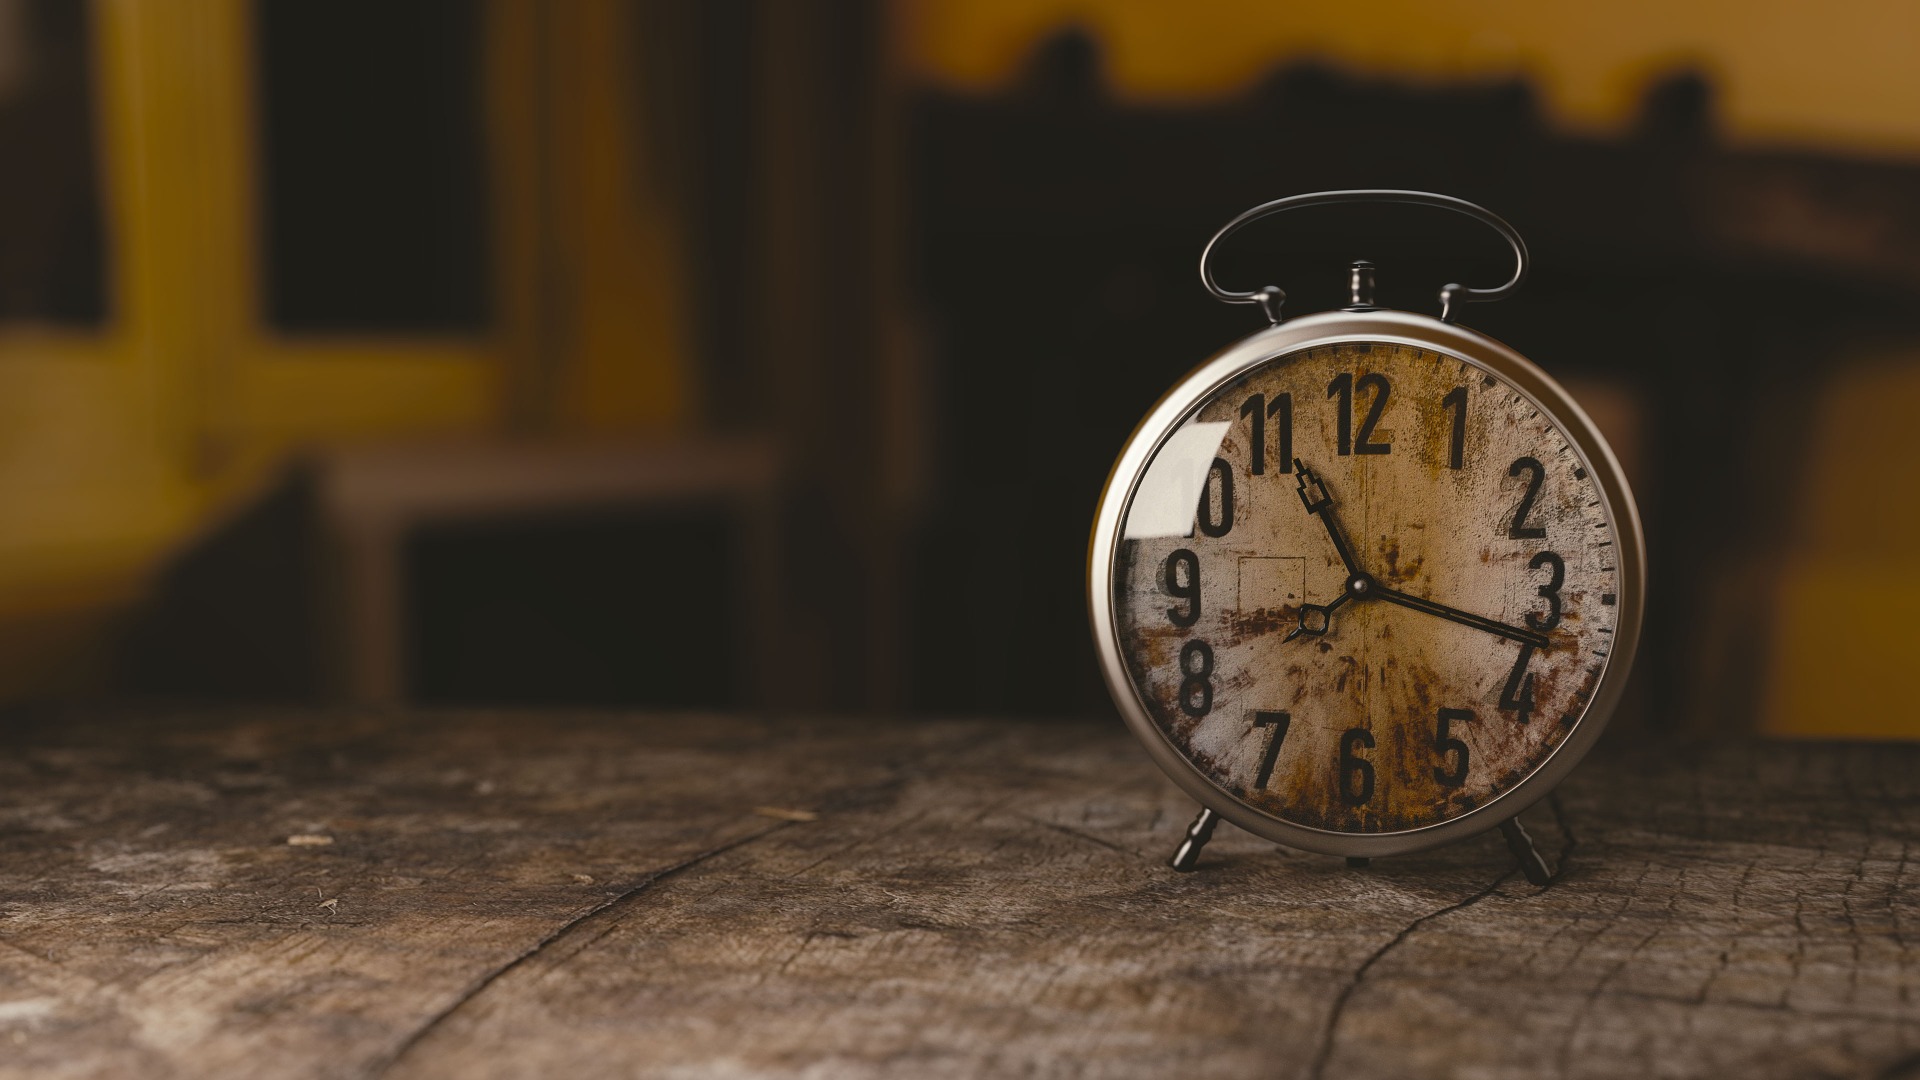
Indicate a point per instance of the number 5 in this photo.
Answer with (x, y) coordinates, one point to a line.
(1446, 744)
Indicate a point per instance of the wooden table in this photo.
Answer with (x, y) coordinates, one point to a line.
(536, 895)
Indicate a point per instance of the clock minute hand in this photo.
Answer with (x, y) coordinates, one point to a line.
(1313, 495)
(1498, 629)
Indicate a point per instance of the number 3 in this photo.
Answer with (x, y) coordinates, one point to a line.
(1551, 591)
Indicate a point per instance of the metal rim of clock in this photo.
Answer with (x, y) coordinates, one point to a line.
(1382, 327)
(1271, 297)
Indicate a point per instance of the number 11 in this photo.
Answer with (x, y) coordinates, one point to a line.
(1256, 410)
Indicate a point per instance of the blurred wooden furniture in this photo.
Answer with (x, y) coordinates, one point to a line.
(372, 498)
(351, 894)
(234, 171)
(1715, 287)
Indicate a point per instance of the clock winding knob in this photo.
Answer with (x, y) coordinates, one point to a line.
(1360, 286)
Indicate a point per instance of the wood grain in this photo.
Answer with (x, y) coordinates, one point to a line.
(513, 895)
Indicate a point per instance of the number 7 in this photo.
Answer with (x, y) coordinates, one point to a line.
(1278, 721)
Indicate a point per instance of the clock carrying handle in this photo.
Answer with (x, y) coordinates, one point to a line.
(1271, 297)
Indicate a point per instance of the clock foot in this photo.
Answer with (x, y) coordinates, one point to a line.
(1198, 833)
(1518, 842)
(1358, 862)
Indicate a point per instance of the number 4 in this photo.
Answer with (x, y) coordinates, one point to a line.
(1517, 696)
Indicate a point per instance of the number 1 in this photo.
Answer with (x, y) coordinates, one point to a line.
(1456, 449)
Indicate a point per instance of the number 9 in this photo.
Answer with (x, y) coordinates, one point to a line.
(1190, 592)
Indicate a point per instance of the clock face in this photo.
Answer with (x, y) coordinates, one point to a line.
(1366, 588)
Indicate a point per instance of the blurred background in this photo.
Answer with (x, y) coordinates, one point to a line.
(763, 354)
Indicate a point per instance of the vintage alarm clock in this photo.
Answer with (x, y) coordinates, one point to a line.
(1366, 581)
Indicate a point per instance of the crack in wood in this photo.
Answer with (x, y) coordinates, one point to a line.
(1593, 995)
(1068, 830)
(1566, 834)
(1739, 1005)
(806, 941)
(1330, 1030)
(972, 940)
(859, 842)
(557, 935)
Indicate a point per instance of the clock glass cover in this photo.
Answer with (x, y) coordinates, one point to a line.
(1366, 587)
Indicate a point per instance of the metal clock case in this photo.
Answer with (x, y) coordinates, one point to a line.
(1367, 581)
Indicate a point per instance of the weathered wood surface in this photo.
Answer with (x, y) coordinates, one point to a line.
(974, 899)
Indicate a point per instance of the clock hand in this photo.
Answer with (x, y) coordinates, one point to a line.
(1325, 611)
(1313, 495)
(1498, 629)
(1361, 585)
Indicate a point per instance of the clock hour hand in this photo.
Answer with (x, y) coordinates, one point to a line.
(1316, 619)
(1498, 629)
(1313, 495)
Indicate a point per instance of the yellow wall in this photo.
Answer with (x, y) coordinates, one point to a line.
(1843, 579)
(118, 446)
(1839, 73)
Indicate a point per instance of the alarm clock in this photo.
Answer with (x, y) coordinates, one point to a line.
(1366, 581)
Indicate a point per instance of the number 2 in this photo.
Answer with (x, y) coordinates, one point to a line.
(1536, 475)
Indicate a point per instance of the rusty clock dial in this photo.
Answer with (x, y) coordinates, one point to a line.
(1398, 593)
(1366, 582)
